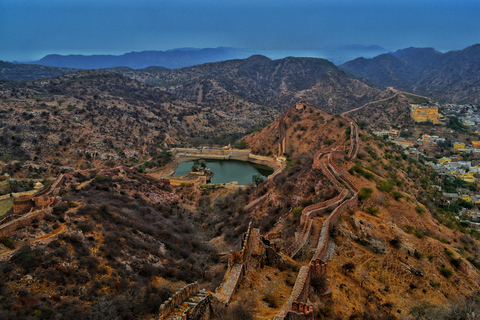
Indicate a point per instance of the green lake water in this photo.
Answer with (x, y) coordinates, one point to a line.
(228, 170)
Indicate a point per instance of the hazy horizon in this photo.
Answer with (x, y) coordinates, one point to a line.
(32, 30)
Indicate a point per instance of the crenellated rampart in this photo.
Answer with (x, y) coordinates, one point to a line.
(51, 189)
(297, 306)
(9, 224)
(177, 299)
(21, 217)
(238, 265)
(302, 239)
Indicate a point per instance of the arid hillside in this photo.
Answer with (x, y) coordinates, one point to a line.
(451, 76)
(116, 245)
(301, 132)
(349, 229)
(276, 84)
(90, 117)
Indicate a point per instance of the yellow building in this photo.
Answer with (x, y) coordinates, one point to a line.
(466, 197)
(458, 145)
(476, 144)
(424, 114)
(443, 160)
(468, 177)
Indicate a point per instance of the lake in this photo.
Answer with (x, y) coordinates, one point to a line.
(228, 170)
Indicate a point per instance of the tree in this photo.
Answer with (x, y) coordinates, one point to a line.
(257, 179)
(242, 144)
(201, 163)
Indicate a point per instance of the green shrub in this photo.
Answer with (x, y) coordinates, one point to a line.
(419, 233)
(374, 211)
(420, 210)
(365, 193)
(447, 273)
(448, 252)
(384, 186)
(435, 284)
(397, 195)
(456, 262)
(418, 255)
(297, 211)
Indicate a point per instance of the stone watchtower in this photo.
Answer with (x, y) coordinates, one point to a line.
(301, 105)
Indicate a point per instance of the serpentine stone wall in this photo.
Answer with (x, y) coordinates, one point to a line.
(296, 307)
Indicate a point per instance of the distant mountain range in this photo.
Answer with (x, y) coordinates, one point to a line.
(450, 77)
(186, 57)
(171, 59)
(453, 76)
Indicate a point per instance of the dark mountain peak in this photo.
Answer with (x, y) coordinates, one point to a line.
(383, 58)
(474, 49)
(413, 51)
(258, 57)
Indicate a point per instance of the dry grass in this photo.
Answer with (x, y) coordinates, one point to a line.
(5, 205)
(268, 288)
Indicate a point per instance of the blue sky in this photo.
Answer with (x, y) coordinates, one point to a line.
(31, 29)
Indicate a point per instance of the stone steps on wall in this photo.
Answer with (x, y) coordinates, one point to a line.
(180, 311)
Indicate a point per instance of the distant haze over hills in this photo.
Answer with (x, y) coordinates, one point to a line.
(186, 57)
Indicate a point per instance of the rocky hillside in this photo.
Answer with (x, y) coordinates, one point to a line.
(119, 242)
(276, 84)
(21, 72)
(304, 130)
(116, 246)
(452, 76)
(87, 117)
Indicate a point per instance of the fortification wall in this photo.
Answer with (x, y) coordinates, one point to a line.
(322, 206)
(202, 310)
(176, 299)
(299, 294)
(8, 228)
(51, 188)
(23, 203)
(296, 306)
(252, 156)
(235, 154)
(302, 239)
(202, 180)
